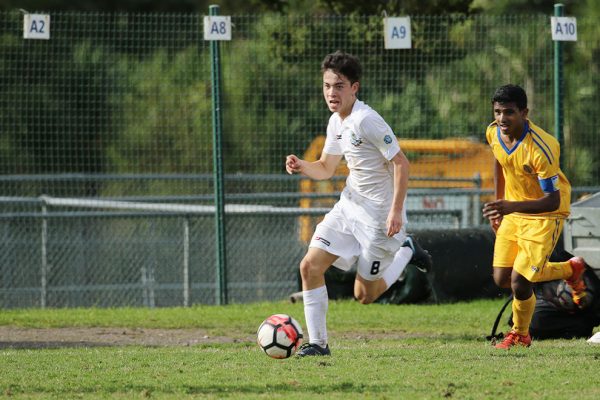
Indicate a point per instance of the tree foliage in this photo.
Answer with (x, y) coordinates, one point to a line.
(103, 105)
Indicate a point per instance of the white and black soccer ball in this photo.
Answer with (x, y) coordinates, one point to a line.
(279, 336)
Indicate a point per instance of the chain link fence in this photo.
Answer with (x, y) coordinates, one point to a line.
(78, 259)
(116, 107)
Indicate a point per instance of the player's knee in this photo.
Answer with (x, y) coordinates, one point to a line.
(502, 278)
(308, 268)
(502, 282)
(521, 286)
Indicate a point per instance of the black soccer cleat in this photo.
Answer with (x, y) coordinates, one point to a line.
(296, 297)
(421, 257)
(311, 349)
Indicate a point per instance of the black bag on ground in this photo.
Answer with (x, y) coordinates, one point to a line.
(555, 315)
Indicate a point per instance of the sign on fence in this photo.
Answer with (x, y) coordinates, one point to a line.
(397, 34)
(217, 27)
(564, 28)
(36, 26)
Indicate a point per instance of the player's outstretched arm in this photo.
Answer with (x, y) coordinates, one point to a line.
(320, 169)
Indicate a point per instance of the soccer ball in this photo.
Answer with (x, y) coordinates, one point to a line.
(279, 336)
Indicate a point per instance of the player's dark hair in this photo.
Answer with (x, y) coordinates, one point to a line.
(511, 94)
(343, 64)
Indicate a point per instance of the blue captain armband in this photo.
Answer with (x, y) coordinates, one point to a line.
(549, 185)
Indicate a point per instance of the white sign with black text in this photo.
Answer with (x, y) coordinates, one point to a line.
(564, 29)
(217, 28)
(397, 33)
(36, 26)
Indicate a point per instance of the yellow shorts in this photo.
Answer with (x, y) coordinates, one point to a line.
(526, 244)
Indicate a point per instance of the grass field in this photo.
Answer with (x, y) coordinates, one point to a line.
(379, 351)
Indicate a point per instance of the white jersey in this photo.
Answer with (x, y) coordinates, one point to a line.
(368, 144)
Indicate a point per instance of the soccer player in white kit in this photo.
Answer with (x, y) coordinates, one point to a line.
(366, 226)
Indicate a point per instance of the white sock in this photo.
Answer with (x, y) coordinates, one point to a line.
(401, 259)
(315, 313)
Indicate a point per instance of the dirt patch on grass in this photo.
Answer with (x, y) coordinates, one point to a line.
(27, 338)
(41, 338)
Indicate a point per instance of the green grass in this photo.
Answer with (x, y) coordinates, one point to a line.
(379, 351)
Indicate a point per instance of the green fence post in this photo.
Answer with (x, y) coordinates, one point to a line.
(221, 293)
(558, 88)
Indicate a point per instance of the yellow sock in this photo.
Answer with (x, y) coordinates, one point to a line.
(555, 270)
(522, 313)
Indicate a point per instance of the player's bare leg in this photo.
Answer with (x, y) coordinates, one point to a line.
(313, 267)
(502, 277)
(366, 292)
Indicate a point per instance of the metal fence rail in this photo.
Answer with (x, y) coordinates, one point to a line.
(164, 256)
(57, 252)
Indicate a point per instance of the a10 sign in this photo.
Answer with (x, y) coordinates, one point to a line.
(564, 28)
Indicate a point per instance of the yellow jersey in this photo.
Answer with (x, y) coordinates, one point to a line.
(531, 168)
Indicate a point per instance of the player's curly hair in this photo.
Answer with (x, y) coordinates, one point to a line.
(511, 94)
(344, 64)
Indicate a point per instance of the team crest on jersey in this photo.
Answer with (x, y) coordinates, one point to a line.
(535, 269)
(387, 139)
(527, 169)
(355, 140)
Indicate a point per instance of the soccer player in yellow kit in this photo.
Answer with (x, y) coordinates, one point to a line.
(533, 199)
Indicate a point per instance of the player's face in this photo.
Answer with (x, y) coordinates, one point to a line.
(510, 119)
(339, 93)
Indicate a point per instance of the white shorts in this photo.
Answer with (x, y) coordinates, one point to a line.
(341, 233)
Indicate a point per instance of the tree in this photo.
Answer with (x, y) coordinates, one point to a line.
(227, 6)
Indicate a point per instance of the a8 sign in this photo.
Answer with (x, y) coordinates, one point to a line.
(217, 27)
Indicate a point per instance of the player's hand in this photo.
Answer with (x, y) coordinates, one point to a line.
(293, 165)
(496, 209)
(495, 223)
(393, 223)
